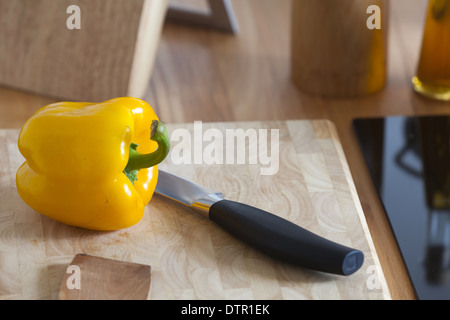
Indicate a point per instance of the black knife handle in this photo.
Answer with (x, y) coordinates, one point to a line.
(283, 239)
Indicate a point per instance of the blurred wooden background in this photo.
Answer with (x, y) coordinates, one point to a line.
(202, 74)
(110, 52)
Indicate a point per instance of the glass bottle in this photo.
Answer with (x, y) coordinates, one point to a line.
(433, 73)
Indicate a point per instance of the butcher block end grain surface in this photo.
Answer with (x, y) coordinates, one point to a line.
(190, 256)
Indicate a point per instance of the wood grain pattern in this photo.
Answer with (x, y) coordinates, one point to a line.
(113, 50)
(145, 50)
(205, 75)
(105, 279)
(333, 52)
(191, 257)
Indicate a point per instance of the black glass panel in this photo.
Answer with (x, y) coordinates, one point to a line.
(409, 162)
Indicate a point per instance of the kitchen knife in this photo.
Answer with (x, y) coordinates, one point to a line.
(269, 233)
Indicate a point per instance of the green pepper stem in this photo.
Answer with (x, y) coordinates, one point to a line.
(137, 160)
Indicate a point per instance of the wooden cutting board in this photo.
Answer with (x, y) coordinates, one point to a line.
(191, 257)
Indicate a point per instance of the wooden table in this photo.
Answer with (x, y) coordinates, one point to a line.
(212, 76)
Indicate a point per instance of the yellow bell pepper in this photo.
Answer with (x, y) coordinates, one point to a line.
(92, 165)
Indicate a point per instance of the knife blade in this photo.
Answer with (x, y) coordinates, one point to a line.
(267, 232)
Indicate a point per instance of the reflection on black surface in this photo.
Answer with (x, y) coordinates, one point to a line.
(437, 262)
(409, 161)
(412, 144)
(435, 136)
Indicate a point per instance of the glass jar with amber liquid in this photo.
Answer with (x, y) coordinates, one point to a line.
(433, 72)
